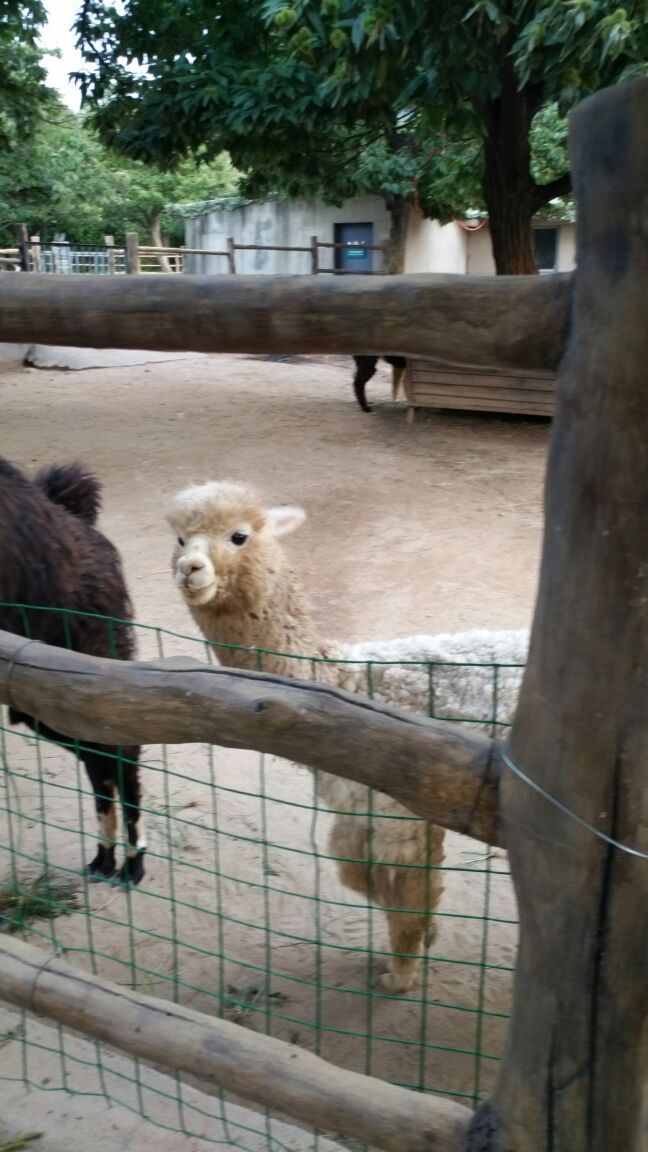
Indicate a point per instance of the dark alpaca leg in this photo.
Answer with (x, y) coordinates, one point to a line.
(132, 869)
(365, 369)
(116, 774)
(101, 776)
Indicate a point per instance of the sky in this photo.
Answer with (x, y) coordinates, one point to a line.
(57, 34)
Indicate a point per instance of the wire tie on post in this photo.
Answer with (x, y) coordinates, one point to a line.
(568, 812)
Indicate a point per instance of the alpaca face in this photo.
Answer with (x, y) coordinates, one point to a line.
(226, 544)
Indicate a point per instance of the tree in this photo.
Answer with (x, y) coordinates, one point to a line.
(301, 91)
(40, 185)
(23, 94)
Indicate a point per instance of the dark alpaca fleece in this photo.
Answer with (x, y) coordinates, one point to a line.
(365, 369)
(52, 555)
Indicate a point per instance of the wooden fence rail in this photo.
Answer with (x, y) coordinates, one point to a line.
(137, 258)
(507, 321)
(438, 770)
(266, 1071)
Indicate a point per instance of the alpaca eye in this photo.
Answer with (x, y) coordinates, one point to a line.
(181, 541)
(238, 538)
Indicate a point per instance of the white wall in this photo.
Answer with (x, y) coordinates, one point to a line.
(434, 247)
(429, 246)
(566, 247)
(281, 222)
(480, 255)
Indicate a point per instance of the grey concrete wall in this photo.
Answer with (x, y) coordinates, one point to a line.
(280, 222)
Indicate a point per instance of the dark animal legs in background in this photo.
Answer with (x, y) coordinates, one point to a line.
(365, 369)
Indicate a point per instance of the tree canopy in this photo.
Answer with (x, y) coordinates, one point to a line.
(63, 179)
(23, 94)
(420, 99)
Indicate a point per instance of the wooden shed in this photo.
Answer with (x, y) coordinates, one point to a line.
(430, 384)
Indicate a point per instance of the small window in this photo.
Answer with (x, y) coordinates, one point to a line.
(546, 248)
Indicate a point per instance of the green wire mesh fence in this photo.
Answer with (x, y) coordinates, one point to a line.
(241, 915)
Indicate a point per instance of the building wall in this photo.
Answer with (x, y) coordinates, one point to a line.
(480, 255)
(280, 222)
(567, 247)
(430, 246)
(434, 247)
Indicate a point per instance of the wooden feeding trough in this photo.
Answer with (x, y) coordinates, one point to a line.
(431, 384)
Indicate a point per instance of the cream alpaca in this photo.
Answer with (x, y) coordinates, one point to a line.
(234, 575)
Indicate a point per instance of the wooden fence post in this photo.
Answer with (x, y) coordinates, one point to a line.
(23, 246)
(109, 241)
(35, 246)
(314, 256)
(574, 1076)
(132, 253)
(231, 255)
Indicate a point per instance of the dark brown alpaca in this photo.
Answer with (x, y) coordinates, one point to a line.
(53, 557)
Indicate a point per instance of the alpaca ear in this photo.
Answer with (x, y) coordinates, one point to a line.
(285, 519)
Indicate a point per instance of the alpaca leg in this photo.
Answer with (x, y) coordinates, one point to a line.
(103, 786)
(397, 376)
(365, 369)
(132, 870)
(406, 934)
(415, 892)
(354, 874)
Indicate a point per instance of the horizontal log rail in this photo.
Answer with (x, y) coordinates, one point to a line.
(441, 772)
(514, 321)
(259, 1068)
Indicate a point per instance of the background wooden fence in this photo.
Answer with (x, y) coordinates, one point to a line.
(31, 254)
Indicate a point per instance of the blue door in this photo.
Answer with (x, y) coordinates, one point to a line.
(354, 256)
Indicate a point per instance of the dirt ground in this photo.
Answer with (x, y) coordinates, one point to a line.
(423, 528)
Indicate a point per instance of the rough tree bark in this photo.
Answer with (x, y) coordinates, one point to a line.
(507, 183)
(259, 1068)
(399, 208)
(438, 770)
(512, 197)
(512, 321)
(574, 1077)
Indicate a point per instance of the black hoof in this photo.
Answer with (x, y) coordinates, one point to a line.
(132, 870)
(103, 865)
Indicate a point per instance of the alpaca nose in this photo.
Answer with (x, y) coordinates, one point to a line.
(190, 564)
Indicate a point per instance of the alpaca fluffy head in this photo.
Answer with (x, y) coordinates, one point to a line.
(226, 545)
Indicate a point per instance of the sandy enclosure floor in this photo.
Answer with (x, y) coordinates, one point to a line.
(423, 528)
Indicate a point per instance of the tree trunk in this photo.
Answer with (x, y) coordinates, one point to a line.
(399, 208)
(507, 184)
(574, 1076)
(156, 240)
